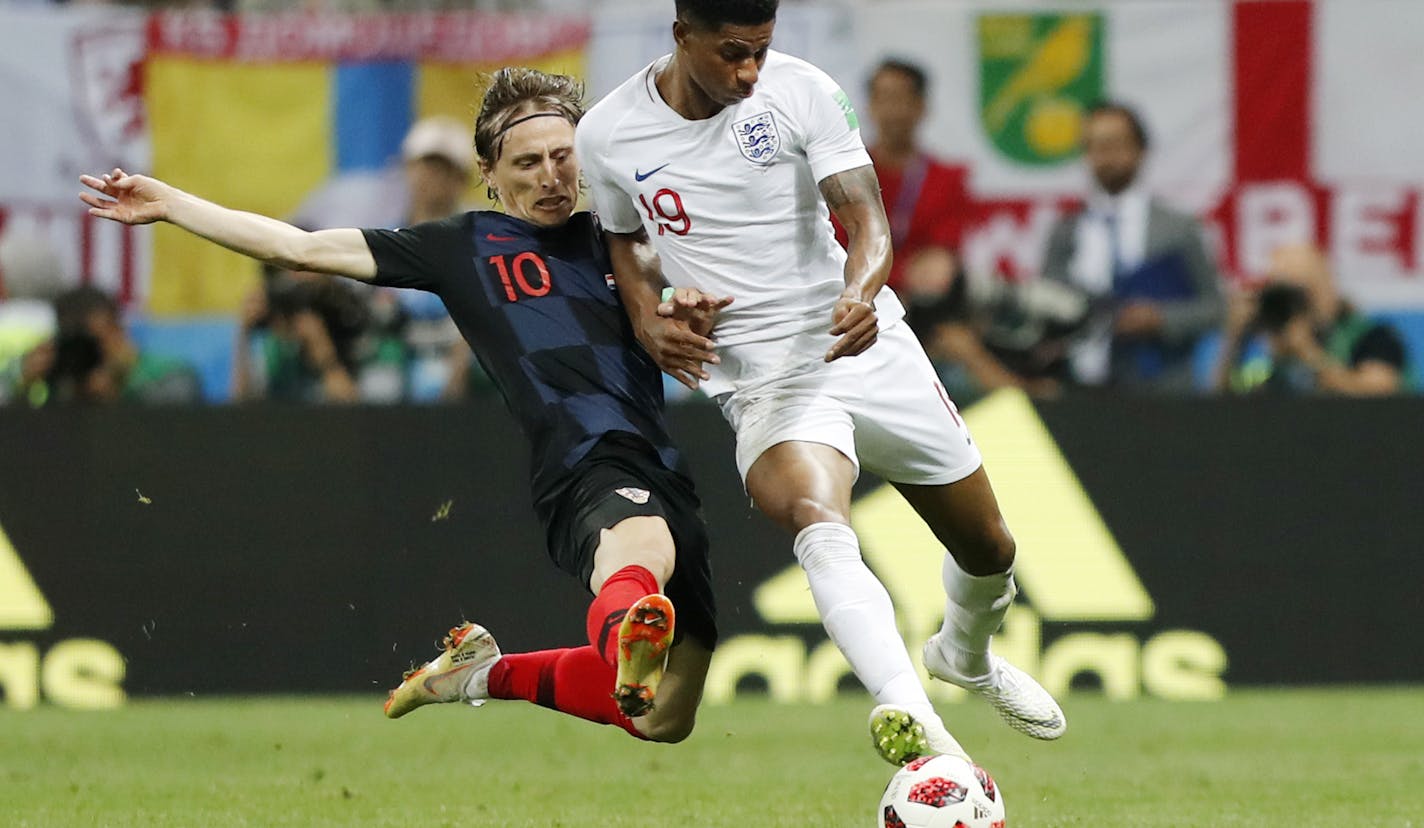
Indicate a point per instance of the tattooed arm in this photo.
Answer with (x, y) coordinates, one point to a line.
(854, 198)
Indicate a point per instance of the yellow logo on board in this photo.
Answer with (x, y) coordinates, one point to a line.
(22, 606)
(76, 672)
(1069, 568)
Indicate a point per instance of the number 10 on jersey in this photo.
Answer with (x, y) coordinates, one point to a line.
(665, 210)
(524, 266)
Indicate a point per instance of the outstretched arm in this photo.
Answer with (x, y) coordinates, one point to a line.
(854, 198)
(138, 199)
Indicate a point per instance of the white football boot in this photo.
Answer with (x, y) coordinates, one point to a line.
(901, 737)
(1020, 700)
(460, 673)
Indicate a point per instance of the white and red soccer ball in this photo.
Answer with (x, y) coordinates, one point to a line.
(941, 792)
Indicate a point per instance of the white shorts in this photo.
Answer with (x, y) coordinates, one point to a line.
(884, 409)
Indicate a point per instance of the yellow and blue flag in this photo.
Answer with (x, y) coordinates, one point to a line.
(256, 112)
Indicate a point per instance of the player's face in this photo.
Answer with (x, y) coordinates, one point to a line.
(1112, 150)
(895, 106)
(537, 174)
(724, 63)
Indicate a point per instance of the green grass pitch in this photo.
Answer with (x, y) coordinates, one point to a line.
(1260, 758)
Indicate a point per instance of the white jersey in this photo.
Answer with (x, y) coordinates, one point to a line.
(733, 207)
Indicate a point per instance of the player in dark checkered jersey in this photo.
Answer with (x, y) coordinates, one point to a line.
(531, 292)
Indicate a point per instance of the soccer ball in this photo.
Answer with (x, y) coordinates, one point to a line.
(941, 792)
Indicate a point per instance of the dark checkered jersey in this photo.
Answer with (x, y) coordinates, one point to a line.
(540, 311)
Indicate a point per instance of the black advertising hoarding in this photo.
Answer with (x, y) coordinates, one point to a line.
(1167, 547)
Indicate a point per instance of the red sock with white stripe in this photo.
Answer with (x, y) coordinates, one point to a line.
(622, 590)
(573, 680)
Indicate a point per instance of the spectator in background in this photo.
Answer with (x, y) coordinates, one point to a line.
(296, 340)
(439, 167)
(1143, 264)
(439, 156)
(927, 202)
(95, 360)
(925, 199)
(1316, 342)
(411, 348)
(410, 329)
(30, 278)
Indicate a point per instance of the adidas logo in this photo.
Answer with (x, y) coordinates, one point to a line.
(1069, 568)
(76, 672)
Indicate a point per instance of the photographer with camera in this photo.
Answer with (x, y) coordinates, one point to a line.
(1316, 342)
(94, 359)
(301, 327)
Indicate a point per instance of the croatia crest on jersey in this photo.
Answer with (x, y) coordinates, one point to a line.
(757, 138)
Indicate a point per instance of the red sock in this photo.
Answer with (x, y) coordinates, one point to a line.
(573, 680)
(622, 590)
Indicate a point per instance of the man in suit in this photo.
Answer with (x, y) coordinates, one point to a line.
(1144, 264)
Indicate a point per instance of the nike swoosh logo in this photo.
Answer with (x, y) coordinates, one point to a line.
(445, 676)
(493, 237)
(643, 176)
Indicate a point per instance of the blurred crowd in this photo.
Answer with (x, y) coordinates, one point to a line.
(1129, 298)
(243, 6)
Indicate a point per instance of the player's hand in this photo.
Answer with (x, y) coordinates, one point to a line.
(131, 199)
(695, 307)
(853, 320)
(678, 350)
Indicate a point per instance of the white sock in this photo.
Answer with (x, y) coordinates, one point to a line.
(974, 609)
(858, 615)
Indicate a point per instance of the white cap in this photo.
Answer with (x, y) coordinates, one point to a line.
(30, 267)
(443, 136)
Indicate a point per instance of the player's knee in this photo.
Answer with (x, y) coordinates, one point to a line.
(801, 512)
(991, 550)
(658, 559)
(639, 541)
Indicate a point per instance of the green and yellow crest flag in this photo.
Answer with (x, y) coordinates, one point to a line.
(1037, 73)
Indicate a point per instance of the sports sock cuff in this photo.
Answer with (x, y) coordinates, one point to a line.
(977, 591)
(636, 574)
(622, 590)
(826, 540)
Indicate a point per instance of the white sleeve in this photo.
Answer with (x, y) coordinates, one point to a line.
(614, 207)
(829, 127)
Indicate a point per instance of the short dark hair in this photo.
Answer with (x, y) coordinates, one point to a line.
(73, 308)
(714, 14)
(916, 73)
(515, 91)
(1139, 130)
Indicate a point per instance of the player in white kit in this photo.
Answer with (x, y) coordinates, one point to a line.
(714, 168)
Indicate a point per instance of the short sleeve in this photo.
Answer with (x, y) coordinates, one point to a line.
(1379, 344)
(611, 204)
(417, 256)
(829, 126)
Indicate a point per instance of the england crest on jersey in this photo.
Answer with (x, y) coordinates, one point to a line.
(757, 138)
